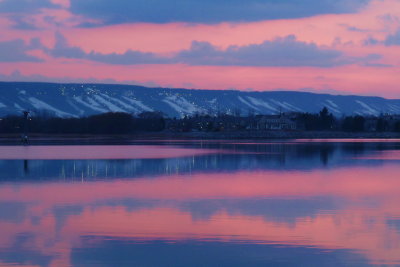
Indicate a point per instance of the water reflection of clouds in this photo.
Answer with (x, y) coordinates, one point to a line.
(338, 216)
(122, 252)
(14, 212)
(273, 209)
(256, 207)
(21, 251)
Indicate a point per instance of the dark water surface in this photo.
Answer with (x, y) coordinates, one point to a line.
(201, 203)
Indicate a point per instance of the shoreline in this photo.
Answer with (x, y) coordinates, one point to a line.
(237, 135)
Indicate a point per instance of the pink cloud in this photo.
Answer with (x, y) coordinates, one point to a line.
(344, 32)
(347, 79)
(323, 30)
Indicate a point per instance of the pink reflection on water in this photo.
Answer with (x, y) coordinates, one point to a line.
(349, 140)
(98, 152)
(347, 227)
(356, 182)
(383, 155)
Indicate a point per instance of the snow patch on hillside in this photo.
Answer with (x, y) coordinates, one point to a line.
(110, 106)
(40, 105)
(293, 107)
(286, 106)
(119, 102)
(331, 106)
(212, 101)
(138, 103)
(241, 99)
(18, 106)
(94, 103)
(261, 103)
(394, 108)
(75, 107)
(368, 109)
(95, 107)
(181, 105)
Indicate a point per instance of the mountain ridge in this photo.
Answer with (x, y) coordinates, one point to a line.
(78, 100)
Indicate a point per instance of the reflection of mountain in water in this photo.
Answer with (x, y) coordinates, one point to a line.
(233, 157)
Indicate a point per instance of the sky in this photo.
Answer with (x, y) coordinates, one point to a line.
(326, 46)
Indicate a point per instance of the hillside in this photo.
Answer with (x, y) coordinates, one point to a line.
(77, 100)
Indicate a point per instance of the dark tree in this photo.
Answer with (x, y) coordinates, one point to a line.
(382, 125)
(353, 124)
(150, 121)
(397, 127)
(326, 119)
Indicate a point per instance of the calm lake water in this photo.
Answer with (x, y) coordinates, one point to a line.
(201, 203)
